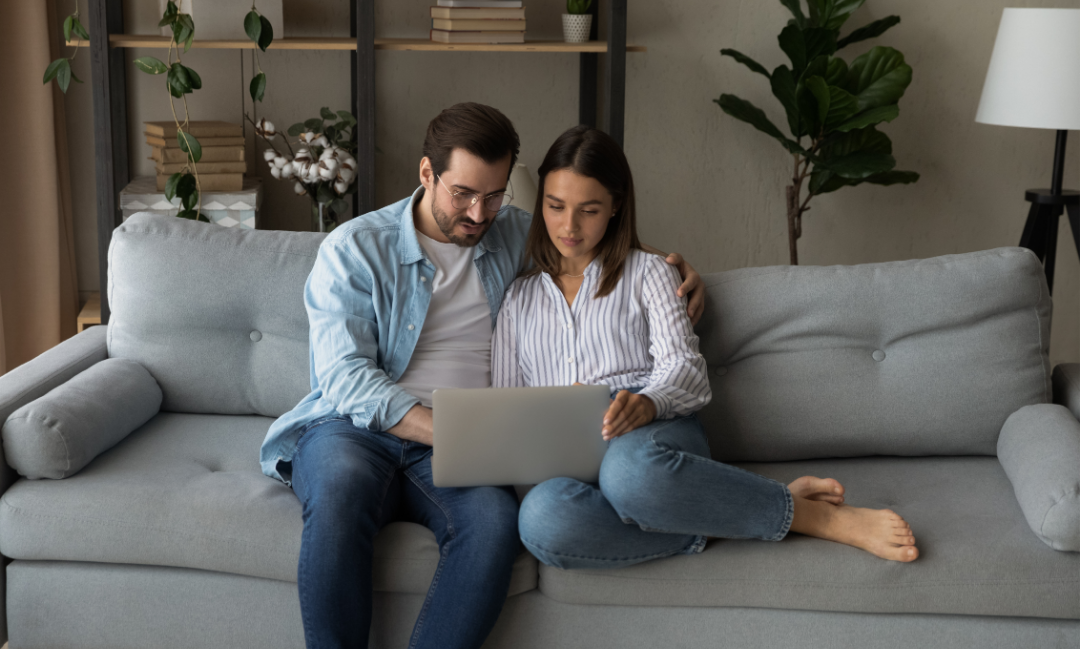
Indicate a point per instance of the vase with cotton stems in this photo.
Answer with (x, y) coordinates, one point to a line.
(323, 167)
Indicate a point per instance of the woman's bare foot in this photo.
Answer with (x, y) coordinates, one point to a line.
(881, 532)
(812, 488)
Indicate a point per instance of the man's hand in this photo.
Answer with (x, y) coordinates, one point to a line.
(415, 426)
(627, 412)
(692, 286)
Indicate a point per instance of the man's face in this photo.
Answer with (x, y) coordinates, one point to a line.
(466, 173)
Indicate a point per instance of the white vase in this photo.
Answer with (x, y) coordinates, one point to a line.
(575, 27)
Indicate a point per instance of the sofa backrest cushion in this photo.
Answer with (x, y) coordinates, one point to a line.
(924, 357)
(215, 314)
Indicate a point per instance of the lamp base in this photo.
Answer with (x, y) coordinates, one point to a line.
(1041, 229)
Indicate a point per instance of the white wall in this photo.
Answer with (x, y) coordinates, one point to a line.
(709, 186)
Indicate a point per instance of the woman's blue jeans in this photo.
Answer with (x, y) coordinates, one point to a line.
(351, 482)
(659, 494)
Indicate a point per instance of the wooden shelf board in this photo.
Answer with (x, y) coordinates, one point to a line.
(398, 44)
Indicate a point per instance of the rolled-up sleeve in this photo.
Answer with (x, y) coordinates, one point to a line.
(345, 341)
(679, 381)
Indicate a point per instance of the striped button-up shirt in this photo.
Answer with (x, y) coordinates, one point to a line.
(637, 336)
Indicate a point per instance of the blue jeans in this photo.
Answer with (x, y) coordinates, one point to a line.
(351, 482)
(659, 494)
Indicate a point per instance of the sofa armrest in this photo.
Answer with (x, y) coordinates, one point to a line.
(1039, 448)
(37, 377)
(1066, 380)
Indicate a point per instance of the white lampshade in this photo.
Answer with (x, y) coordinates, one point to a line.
(1034, 74)
(521, 181)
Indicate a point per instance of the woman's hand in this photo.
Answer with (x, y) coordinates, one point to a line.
(627, 412)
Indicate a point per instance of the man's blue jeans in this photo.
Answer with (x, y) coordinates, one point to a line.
(351, 482)
(659, 494)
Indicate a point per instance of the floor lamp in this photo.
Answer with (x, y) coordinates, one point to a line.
(1034, 81)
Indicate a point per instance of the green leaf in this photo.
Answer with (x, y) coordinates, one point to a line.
(190, 215)
(151, 65)
(823, 181)
(196, 80)
(835, 71)
(252, 26)
(783, 88)
(178, 80)
(189, 145)
(67, 27)
(171, 9)
(743, 110)
(167, 19)
(842, 105)
(296, 129)
(184, 29)
(63, 75)
(326, 113)
(831, 14)
(820, 90)
(170, 185)
(190, 39)
(75, 78)
(793, 44)
(79, 30)
(872, 116)
(872, 30)
(794, 6)
(325, 193)
(257, 88)
(314, 124)
(347, 117)
(52, 70)
(330, 132)
(745, 60)
(878, 77)
(893, 178)
(860, 165)
(819, 41)
(339, 206)
(266, 34)
(867, 140)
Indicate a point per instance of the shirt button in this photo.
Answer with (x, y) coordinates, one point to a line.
(570, 360)
(411, 327)
(569, 326)
(423, 279)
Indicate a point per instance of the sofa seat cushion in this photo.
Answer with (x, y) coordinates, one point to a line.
(186, 491)
(977, 554)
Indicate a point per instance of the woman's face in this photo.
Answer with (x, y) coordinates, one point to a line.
(576, 211)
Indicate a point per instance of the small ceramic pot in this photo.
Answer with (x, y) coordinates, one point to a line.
(575, 27)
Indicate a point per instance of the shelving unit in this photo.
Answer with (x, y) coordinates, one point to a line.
(109, 84)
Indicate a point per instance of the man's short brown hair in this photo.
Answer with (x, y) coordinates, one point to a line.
(481, 130)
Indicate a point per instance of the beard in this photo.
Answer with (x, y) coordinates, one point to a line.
(447, 224)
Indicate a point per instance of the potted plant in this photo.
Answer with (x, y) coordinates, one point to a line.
(832, 107)
(577, 21)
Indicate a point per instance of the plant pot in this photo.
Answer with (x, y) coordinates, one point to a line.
(575, 27)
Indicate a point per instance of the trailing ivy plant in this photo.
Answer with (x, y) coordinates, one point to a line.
(60, 69)
(832, 107)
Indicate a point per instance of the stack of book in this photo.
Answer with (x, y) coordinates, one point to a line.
(222, 165)
(478, 21)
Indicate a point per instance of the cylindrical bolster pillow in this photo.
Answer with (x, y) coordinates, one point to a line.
(1039, 448)
(61, 432)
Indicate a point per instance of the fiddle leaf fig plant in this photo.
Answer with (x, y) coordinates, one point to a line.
(832, 108)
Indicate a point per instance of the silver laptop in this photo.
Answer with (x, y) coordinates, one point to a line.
(507, 436)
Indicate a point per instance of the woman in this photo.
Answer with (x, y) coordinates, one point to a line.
(593, 308)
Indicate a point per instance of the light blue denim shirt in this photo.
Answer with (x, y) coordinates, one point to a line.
(366, 298)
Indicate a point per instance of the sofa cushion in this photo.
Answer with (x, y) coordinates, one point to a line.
(924, 357)
(186, 491)
(57, 434)
(214, 313)
(977, 554)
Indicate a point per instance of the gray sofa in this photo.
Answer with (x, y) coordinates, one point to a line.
(923, 386)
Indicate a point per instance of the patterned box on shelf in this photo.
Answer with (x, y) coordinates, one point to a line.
(230, 209)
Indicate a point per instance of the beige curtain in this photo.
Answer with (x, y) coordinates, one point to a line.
(39, 297)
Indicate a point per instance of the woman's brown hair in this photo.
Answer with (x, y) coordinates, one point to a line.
(592, 153)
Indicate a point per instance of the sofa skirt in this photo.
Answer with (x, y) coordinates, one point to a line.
(58, 605)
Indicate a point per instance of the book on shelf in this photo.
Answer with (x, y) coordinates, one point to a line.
(167, 130)
(209, 154)
(478, 13)
(210, 182)
(481, 24)
(172, 143)
(441, 36)
(203, 167)
(509, 4)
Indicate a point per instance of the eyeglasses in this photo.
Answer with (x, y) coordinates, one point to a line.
(492, 202)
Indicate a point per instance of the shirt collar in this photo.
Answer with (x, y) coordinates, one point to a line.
(410, 251)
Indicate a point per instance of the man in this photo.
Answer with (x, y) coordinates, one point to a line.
(401, 301)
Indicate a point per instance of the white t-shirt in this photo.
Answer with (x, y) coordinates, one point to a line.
(454, 348)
